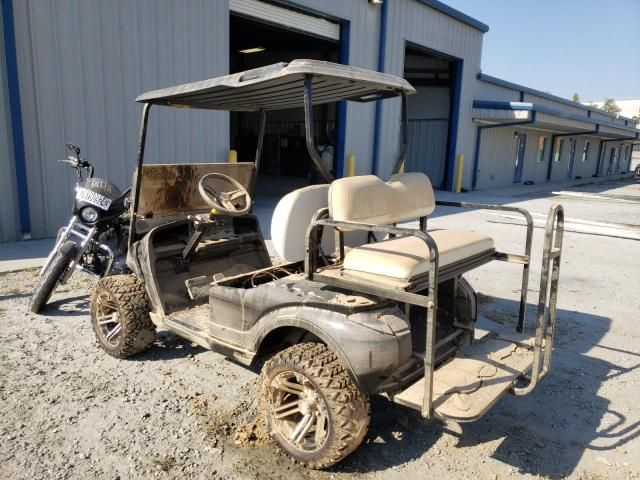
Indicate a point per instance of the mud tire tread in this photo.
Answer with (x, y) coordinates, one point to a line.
(349, 408)
(138, 331)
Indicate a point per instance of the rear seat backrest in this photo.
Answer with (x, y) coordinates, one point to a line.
(291, 218)
(367, 199)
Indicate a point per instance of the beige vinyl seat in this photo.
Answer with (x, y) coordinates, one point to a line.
(405, 197)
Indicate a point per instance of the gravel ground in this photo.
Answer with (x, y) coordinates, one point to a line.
(178, 411)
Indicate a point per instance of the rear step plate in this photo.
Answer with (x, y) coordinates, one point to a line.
(466, 387)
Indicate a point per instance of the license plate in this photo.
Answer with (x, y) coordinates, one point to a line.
(93, 198)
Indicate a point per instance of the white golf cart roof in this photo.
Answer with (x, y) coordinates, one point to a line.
(281, 86)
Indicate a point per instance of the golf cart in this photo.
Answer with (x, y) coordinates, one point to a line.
(355, 305)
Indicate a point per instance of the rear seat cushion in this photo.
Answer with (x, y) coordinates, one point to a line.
(407, 257)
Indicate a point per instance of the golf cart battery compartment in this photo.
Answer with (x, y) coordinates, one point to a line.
(253, 301)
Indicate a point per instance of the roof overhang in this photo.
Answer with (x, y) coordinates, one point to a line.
(531, 91)
(547, 118)
(281, 86)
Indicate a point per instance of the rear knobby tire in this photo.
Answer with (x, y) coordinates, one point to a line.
(317, 372)
(51, 276)
(120, 316)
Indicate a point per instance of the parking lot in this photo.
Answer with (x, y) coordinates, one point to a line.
(178, 411)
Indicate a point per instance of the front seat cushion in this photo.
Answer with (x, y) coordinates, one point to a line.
(407, 257)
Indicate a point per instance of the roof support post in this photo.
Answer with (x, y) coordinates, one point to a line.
(142, 139)
(404, 128)
(481, 128)
(263, 121)
(308, 124)
(554, 136)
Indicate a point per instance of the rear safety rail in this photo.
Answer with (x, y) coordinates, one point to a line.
(523, 259)
(548, 297)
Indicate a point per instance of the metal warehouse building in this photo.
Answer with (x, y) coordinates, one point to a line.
(71, 69)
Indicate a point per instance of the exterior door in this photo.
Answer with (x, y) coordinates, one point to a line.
(521, 143)
(613, 156)
(572, 156)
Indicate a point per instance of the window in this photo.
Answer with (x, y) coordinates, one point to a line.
(542, 147)
(585, 151)
(559, 144)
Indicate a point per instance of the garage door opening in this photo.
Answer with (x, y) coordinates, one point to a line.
(285, 164)
(429, 112)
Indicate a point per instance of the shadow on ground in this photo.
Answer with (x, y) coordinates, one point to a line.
(545, 433)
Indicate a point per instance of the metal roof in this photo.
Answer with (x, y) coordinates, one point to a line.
(280, 86)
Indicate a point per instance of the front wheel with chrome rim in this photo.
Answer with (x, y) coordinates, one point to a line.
(314, 411)
(120, 316)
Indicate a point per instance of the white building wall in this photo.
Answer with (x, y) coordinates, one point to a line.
(489, 91)
(81, 65)
(409, 20)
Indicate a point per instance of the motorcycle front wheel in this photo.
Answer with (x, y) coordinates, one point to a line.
(51, 276)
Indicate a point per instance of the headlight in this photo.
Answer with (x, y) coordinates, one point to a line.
(89, 215)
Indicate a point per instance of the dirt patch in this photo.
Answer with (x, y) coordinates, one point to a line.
(68, 411)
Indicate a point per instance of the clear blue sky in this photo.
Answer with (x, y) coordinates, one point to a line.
(562, 46)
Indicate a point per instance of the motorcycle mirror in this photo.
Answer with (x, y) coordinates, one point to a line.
(75, 149)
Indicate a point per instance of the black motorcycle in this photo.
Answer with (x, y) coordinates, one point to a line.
(95, 240)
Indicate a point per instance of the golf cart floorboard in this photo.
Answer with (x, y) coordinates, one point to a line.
(194, 318)
(466, 387)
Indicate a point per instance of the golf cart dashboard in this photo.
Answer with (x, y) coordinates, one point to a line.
(212, 225)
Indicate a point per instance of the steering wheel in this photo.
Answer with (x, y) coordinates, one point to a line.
(224, 201)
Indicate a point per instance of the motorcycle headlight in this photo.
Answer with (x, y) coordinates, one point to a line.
(89, 215)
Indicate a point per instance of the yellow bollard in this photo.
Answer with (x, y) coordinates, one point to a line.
(232, 156)
(459, 173)
(351, 165)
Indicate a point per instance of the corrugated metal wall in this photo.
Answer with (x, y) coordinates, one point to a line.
(82, 63)
(428, 140)
(9, 224)
(490, 91)
(409, 20)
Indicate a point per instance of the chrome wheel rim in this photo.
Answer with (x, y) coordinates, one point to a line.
(298, 412)
(108, 319)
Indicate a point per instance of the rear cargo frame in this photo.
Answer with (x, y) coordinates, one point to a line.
(545, 324)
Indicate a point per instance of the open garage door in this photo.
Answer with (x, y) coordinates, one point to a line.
(287, 18)
(256, 42)
(430, 112)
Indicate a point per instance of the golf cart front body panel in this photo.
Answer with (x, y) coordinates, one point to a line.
(170, 190)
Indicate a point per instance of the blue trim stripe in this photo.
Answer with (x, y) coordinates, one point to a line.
(342, 106)
(16, 114)
(453, 125)
(382, 47)
(456, 14)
